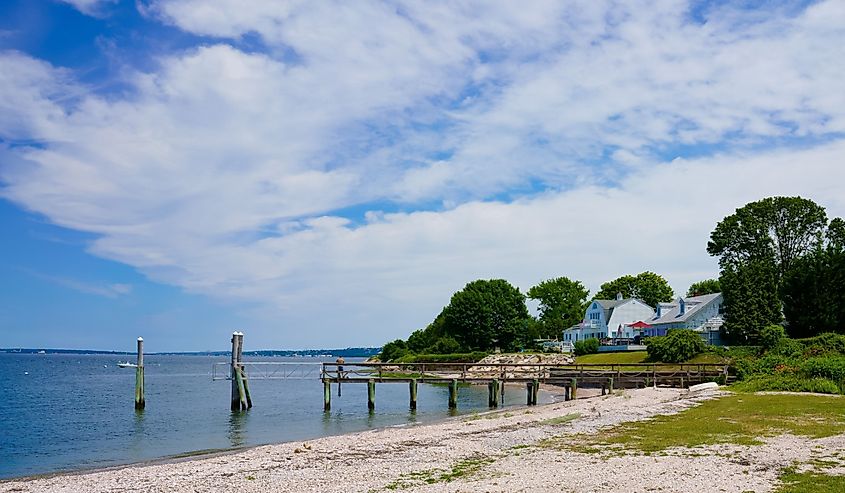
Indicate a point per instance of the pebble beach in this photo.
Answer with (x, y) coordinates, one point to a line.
(494, 451)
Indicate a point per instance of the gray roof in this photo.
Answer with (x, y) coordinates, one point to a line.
(671, 311)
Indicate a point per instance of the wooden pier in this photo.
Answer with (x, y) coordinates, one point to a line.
(495, 376)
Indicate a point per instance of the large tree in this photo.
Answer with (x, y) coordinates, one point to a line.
(812, 291)
(758, 246)
(485, 314)
(707, 286)
(751, 300)
(775, 229)
(647, 286)
(562, 304)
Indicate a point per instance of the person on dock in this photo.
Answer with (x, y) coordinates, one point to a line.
(340, 363)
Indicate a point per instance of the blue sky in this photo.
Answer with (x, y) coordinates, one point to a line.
(322, 174)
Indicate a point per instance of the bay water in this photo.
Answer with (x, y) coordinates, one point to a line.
(66, 412)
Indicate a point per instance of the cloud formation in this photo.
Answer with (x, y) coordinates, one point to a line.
(373, 157)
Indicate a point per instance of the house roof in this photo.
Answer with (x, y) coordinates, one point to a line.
(610, 305)
(671, 312)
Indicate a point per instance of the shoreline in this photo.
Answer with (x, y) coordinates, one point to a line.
(401, 445)
(520, 448)
(551, 393)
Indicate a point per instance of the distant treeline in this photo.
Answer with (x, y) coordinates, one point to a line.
(353, 352)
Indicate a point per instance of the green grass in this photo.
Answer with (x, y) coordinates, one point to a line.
(739, 419)
(809, 482)
(619, 358)
(638, 357)
(460, 469)
(561, 420)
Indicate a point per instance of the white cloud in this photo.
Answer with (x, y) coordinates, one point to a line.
(227, 173)
(94, 8)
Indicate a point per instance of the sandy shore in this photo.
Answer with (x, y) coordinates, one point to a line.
(486, 452)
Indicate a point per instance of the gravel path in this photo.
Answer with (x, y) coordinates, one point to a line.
(486, 452)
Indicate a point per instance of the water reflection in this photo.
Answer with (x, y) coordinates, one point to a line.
(139, 430)
(237, 428)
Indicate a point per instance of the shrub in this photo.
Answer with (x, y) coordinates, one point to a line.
(770, 336)
(444, 345)
(676, 346)
(787, 383)
(830, 367)
(443, 358)
(393, 350)
(586, 346)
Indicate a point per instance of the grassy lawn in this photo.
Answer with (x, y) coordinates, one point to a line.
(620, 358)
(740, 418)
(634, 357)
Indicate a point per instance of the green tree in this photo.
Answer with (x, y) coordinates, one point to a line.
(751, 300)
(421, 340)
(562, 304)
(775, 229)
(393, 350)
(813, 295)
(647, 286)
(485, 314)
(758, 248)
(707, 286)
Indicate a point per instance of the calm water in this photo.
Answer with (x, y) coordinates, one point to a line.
(76, 411)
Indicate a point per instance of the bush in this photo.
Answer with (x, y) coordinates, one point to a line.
(443, 358)
(770, 336)
(830, 367)
(676, 346)
(586, 346)
(444, 345)
(393, 350)
(787, 383)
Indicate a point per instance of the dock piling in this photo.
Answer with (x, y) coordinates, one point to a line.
(371, 394)
(573, 393)
(327, 394)
(240, 398)
(535, 390)
(493, 393)
(140, 403)
(453, 393)
(412, 387)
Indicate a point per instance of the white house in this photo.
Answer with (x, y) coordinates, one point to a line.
(609, 318)
(702, 314)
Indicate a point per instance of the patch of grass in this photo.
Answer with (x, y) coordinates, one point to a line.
(740, 419)
(809, 482)
(560, 420)
(619, 358)
(460, 469)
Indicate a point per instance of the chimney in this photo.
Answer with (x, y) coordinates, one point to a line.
(659, 310)
(618, 296)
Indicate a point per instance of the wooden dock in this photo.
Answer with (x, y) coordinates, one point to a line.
(495, 376)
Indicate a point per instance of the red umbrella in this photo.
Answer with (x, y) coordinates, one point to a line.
(640, 325)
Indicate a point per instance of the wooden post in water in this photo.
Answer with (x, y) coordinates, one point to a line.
(241, 400)
(412, 389)
(535, 391)
(371, 394)
(453, 393)
(566, 390)
(140, 403)
(493, 393)
(574, 392)
(236, 400)
(529, 389)
(244, 378)
(327, 394)
(610, 386)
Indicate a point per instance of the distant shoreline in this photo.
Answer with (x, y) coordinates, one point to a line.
(363, 352)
